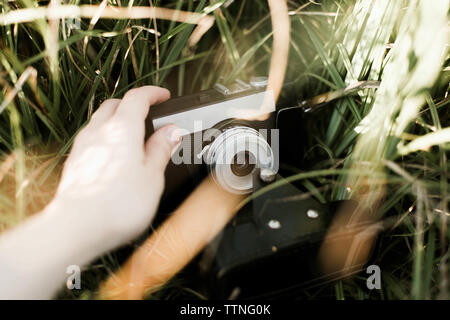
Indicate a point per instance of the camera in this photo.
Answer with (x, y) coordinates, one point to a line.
(215, 141)
(269, 248)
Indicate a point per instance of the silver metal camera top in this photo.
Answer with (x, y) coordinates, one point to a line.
(222, 89)
(236, 87)
(258, 82)
(206, 116)
(241, 86)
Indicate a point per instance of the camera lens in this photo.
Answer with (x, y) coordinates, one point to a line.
(243, 164)
(233, 156)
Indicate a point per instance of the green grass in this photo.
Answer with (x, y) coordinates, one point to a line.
(332, 45)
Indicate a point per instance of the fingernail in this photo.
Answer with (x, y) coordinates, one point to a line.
(174, 134)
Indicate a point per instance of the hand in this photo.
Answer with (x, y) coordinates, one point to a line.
(112, 178)
(108, 194)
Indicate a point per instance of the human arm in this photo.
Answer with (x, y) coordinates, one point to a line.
(108, 194)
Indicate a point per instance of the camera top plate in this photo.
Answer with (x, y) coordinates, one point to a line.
(211, 106)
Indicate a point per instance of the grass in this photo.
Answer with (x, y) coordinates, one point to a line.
(53, 75)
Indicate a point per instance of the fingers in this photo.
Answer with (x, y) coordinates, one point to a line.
(134, 105)
(133, 109)
(104, 112)
(160, 145)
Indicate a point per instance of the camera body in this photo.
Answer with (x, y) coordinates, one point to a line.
(269, 249)
(215, 140)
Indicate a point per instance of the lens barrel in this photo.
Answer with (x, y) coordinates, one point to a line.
(234, 155)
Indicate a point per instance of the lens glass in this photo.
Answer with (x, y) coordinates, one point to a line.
(243, 163)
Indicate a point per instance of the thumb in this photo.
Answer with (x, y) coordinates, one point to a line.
(160, 146)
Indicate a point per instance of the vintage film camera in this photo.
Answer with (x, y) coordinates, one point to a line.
(215, 137)
(269, 249)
